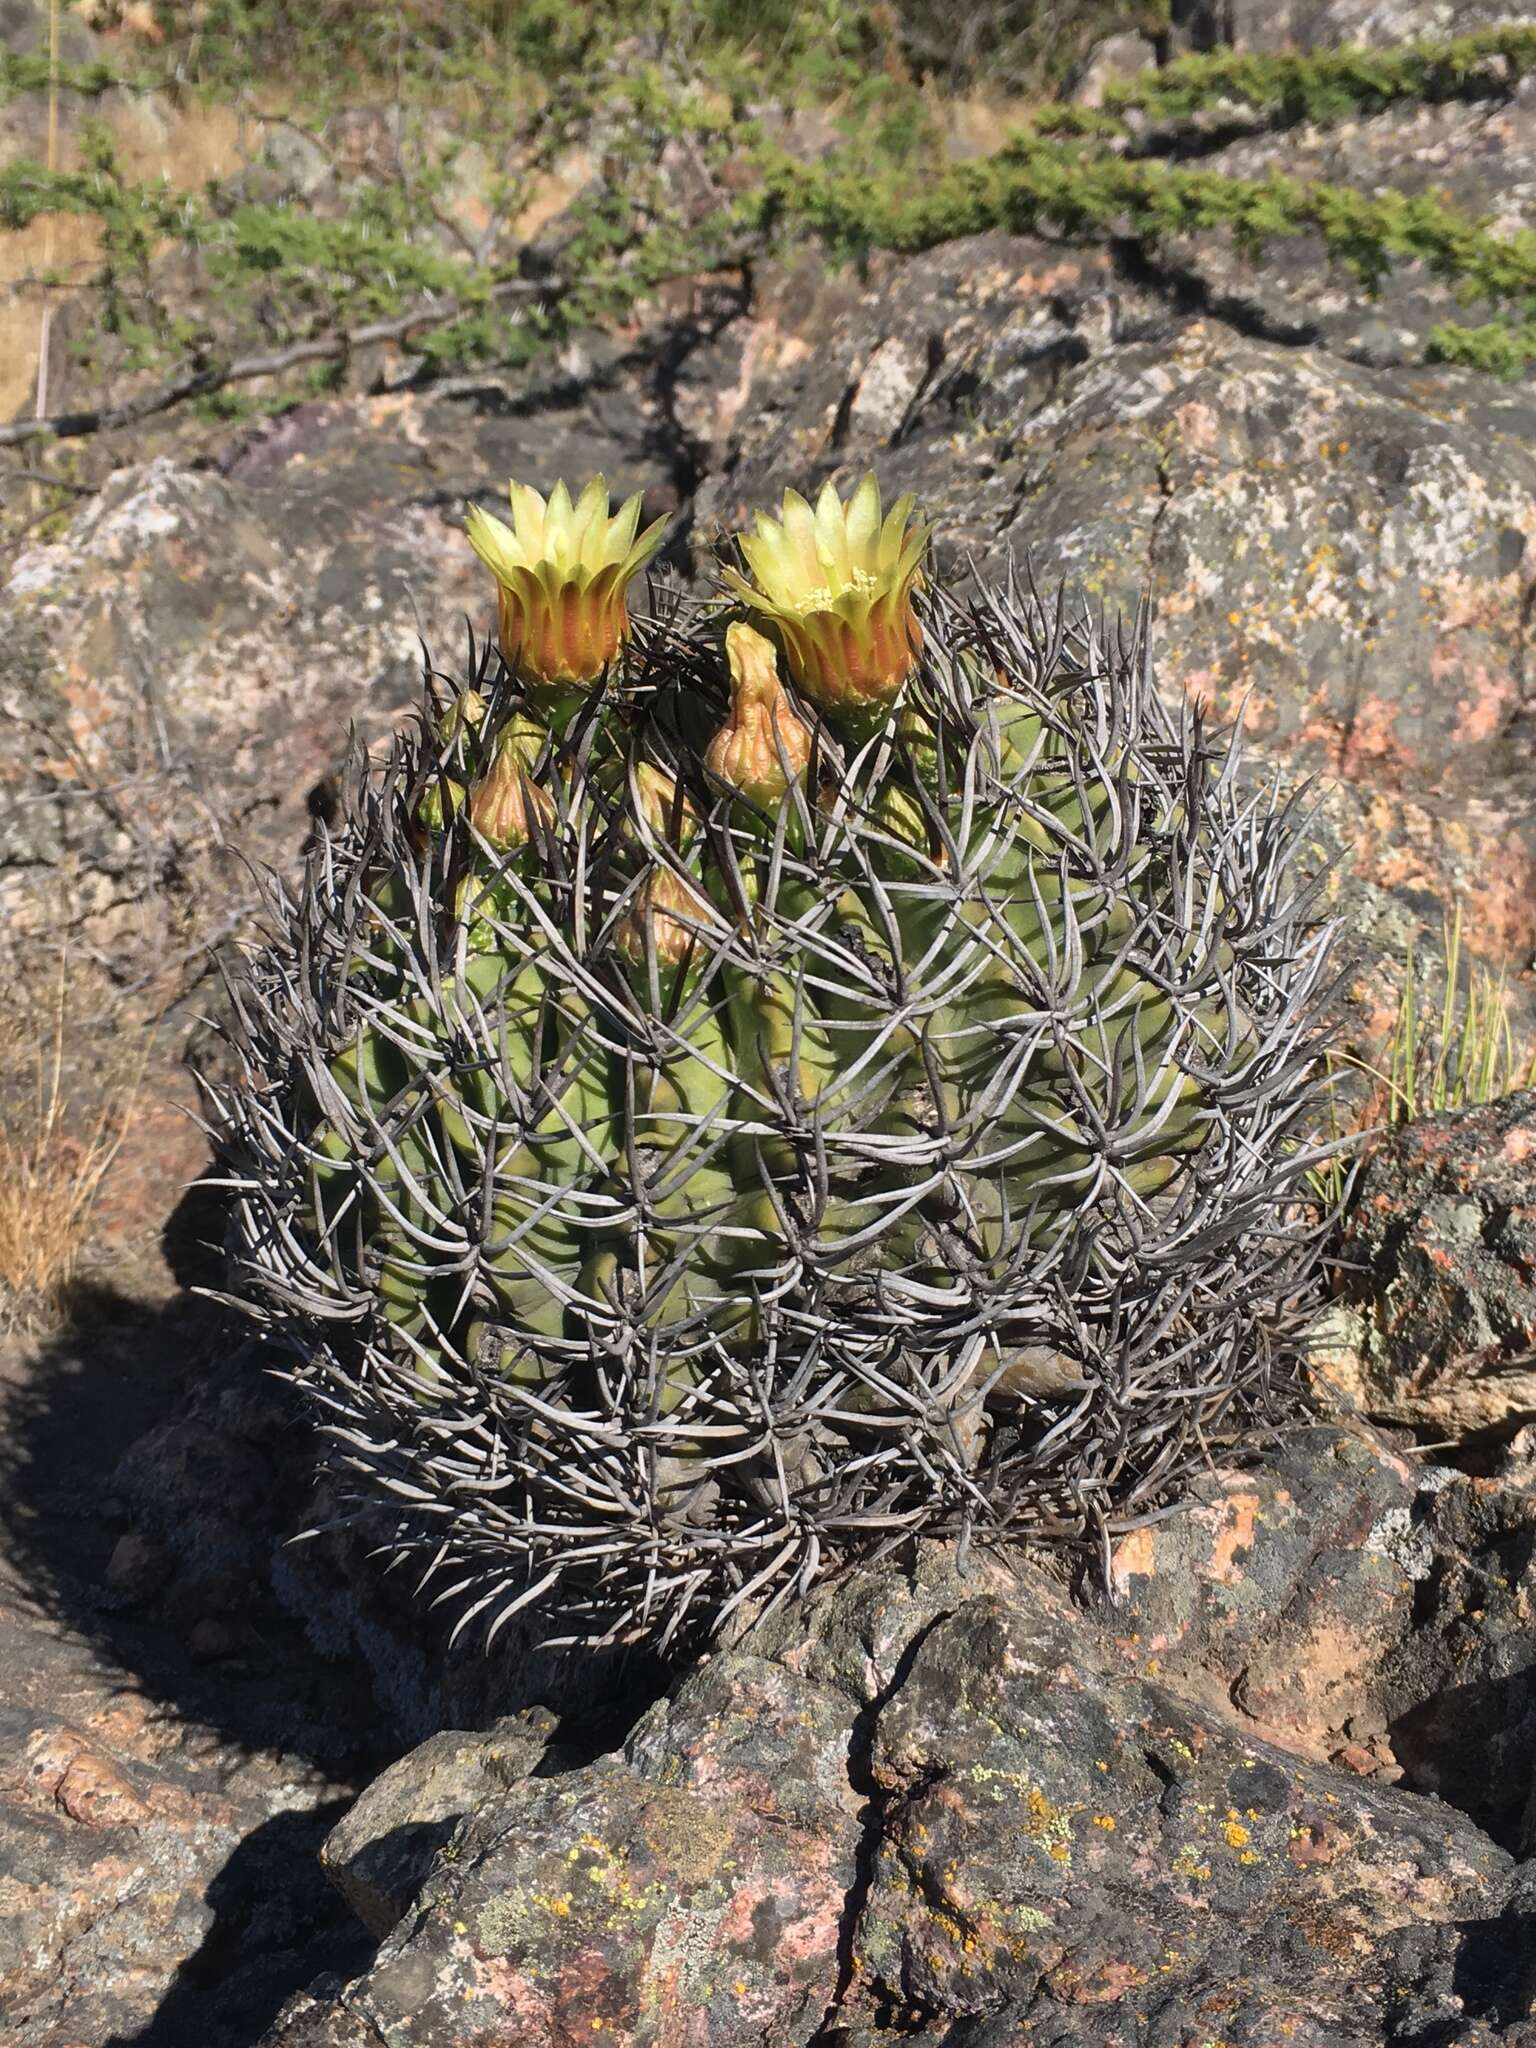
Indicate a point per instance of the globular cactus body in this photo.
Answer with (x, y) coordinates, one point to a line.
(682, 1155)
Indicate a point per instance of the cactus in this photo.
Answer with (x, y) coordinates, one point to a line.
(690, 1132)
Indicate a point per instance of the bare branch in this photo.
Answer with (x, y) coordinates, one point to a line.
(205, 374)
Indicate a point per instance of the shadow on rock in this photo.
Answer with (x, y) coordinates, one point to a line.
(149, 1476)
(276, 1927)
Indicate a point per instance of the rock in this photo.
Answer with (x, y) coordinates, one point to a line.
(380, 1854)
(1460, 1686)
(160, 1817)
(1058, 1835)
(944, 1804)
(139, 1567)
(1343, 552)
(1325, 24)
(1478, 155)
(1346, 1603)
(248, 617)
(1439, 1329)
(211, 1640)
(1277, 1600)
(1117, 57)
(692, 1892)
(114, 1872)
(297, 161)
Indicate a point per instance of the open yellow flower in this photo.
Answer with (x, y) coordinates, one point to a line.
(562, 572)
(837, 582)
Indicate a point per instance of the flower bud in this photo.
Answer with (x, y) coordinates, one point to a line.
(440, 801)
(764, 746)
(659, 804)
(465, 714)
(505, 802)
(664, 917)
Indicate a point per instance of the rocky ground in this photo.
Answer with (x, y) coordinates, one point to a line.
(1279, 1790)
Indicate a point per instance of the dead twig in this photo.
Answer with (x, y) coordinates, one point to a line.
(205, 375)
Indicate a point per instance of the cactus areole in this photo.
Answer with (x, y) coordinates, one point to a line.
(698, 1123)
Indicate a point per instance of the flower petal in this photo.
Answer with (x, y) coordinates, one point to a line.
(621, 528)
(528, 517)
(863, 521)
(590, 523)
(559, 524)
(493, 541)
(893, 532)
(640, 551)
(799, 529)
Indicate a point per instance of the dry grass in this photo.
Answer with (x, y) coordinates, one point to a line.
(51, 1172)
(1454, 1052)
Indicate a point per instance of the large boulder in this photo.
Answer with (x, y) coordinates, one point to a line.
(173, 1746)
(378, 1855)
(180, 670)
(1325, 24)
(179, 674)
(1478, 154)
(934, 1805)
(1357, 1607)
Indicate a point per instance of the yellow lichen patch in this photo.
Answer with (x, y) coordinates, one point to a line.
(1236, 1835)
(1105, 1821)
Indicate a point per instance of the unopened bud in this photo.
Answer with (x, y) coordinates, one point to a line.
(764, 746)
(465, 714)
(439, 802)
(662, 808)
(663, 918)
(505, 802)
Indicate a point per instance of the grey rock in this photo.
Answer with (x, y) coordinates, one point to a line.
(1325, 24)
(226, 629)
(379, 1855)
(954, 1803)
(1342, 552)
(1478, 155)
(1439, 1329)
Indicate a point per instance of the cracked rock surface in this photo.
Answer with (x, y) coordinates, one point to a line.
(962, 1808)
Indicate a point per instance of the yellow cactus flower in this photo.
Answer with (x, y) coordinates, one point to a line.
(837, 582)
(764, 746)
(562, 573)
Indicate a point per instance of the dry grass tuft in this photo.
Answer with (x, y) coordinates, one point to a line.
(1456, 1051)
(50, 1176)
(1454, 1054)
